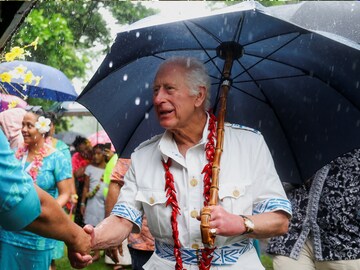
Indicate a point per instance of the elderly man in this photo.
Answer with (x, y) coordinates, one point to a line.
(165, 181)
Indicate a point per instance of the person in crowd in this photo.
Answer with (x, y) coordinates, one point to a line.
(24, 205)
(49, 169)
(140, 245)
(93, 199)
(324, 232)
(165, 182)
(80, 159)
(111, 159)
(58, 251)
(10, 123)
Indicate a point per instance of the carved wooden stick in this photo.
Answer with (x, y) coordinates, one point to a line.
(207, 237)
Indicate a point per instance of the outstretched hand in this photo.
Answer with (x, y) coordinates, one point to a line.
(82, 259)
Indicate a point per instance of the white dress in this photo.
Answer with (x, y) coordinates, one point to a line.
(95, 206)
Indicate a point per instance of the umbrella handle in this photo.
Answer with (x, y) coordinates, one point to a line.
(207, 237)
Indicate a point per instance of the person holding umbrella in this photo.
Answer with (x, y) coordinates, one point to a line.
(169, 176)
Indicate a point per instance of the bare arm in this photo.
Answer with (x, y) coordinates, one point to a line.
(111, 232)
(266, 224)
(54, 223)
(64, 192)
(84, 194)
(112, 196)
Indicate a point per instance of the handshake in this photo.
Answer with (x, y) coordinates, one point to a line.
(109, 233)
(79, 248)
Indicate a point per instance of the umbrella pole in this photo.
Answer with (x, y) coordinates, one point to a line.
(228, 51)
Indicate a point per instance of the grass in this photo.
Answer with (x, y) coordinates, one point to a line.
(64, 264)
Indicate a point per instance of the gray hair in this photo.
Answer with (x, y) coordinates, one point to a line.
(196, 75)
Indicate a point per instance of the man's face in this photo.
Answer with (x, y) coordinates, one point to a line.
(173, 103)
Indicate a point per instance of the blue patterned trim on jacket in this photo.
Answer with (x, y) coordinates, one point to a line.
(272, 205)
(225, 255)
(125, 211)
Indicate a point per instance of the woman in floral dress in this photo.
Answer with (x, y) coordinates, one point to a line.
(48, 168)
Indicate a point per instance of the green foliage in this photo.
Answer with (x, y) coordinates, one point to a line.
(67, 30)
(127, 12)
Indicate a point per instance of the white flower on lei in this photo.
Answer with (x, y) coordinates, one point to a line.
(43, 124)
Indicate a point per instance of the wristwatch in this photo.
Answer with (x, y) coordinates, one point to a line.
(249, 224)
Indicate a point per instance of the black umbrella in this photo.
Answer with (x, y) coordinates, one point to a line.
(299, 88)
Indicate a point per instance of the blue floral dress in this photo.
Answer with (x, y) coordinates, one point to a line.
(26, 250)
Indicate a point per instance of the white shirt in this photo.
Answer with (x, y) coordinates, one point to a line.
(248, 184)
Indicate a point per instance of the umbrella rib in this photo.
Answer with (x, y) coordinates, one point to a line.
(267, 101)
(201, 46)
(265, 57)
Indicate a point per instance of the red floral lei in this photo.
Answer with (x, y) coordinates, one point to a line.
(37, 163)
(206, 254)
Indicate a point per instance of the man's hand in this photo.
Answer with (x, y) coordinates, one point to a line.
(114, 253)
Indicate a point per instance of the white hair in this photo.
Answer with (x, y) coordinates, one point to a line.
(196, 75)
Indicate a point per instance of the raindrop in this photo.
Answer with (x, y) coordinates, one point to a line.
(147, 103)
(137, 101)
(146, 115)
(305, 138)
(111, 64)
(147, 85)
(137, 34)
(339, 107)
(357, 84)
(149, 37)
(126, 116)
(125, 77)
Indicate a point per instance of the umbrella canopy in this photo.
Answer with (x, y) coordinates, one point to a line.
(10, 101)
(100, 137)
(68, 137)
(299, 88)
(337, 17)
(31, 79)
(71, 108)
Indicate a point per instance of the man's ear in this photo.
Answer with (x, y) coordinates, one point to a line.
(200, 97)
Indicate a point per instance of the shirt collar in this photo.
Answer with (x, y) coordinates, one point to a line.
(168, 147)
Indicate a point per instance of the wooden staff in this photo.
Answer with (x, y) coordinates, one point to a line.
(228, 51)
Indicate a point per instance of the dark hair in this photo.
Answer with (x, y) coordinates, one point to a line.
(100, 146)
(79, 140)
(39, 111)
(52, 116)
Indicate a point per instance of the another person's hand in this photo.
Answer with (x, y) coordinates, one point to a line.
(114, 252)
(74, 198)
(108, 154)
(79, 249)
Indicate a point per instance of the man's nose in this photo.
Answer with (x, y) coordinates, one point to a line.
(159, 95)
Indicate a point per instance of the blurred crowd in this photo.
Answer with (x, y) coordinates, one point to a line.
(78, 176)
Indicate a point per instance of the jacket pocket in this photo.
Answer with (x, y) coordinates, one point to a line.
(235, 198)
(157, 214)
